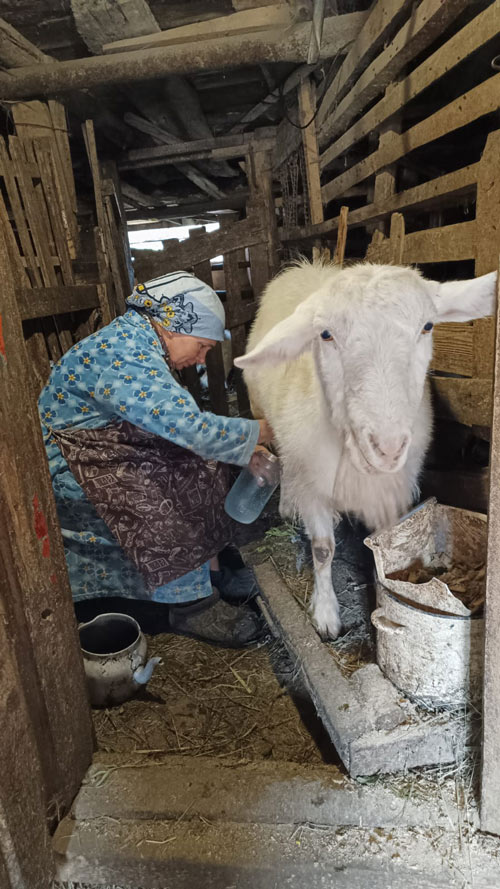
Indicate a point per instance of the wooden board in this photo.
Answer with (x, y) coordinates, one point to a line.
(453, 350)
(37, 120)
(440, 192)
(399, 93)
(427, 21)
(177, 255)
(244, 22)
(38, 598)
(252, 49)
(307, 111)
(214, 360)
(43, 301)
(26, 859)
(382, 19)
(481, 100)
(466, 401)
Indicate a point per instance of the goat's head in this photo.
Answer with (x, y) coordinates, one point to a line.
(370, 332)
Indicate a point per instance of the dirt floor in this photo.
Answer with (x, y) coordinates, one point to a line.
(210, 701)
(207, 701)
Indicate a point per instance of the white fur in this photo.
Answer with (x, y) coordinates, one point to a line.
(352, 417)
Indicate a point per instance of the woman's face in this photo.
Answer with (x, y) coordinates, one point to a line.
(184, 350)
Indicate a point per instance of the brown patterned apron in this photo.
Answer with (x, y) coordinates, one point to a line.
(164, 504)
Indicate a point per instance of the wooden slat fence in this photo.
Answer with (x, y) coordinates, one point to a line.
(372, 129)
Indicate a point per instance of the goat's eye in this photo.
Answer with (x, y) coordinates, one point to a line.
(427, 327)
(326, 335)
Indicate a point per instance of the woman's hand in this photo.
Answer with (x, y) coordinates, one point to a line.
(259, 464)
(266, 433)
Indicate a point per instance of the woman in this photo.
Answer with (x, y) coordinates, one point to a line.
(140, 473)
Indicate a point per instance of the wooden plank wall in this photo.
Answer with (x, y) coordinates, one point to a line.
(390, 136)
(38, 215)
(47, 743)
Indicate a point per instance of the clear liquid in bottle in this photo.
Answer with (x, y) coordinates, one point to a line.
(252, 490)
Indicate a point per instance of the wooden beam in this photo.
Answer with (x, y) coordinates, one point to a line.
(339, 254)
(16, 51)
(490, 778)
(102, 20)
(382, 19)
(453, 349)
(482, 99)
(487, 247)
(230, 146)
(201, 248)
(292, 81)
(88, 73)
(426, 23)
(245, 22)
(234, 201)
(439, 192)
(39, 302)
(307, 111)
(466, 401)
(396, 96)
(161, 136)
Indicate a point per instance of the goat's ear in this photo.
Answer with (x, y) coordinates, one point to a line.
(465, 300)
(285, 341)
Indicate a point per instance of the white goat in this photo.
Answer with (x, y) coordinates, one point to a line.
(337, 362)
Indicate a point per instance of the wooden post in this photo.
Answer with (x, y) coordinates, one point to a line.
(260, 179)
(26, 861)
(490, 779)
(307, 110)
(214, 360)
(339, 254)
(487, 247)
(397, 238)
(35, 597)
(238, 332)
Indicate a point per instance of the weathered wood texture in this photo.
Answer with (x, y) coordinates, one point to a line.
(252, 49)
(307, 112)
(181, 255)
(110, 247)
(35, 598)
(25, 854)
(490, 779)
(365, 146)
(243, 22)
(217, 148)
(426, 22)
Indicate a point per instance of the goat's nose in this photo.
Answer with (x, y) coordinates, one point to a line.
(389, 446)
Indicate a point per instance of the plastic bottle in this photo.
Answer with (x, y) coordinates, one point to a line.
(252, 490)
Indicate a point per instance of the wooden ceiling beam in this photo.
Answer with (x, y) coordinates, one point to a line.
(245, 22)
(217, 147)
(16, 51)
(234, 201)
(232, 52)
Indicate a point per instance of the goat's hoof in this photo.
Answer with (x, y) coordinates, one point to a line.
(326, 622)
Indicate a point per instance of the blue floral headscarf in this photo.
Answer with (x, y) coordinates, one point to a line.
(181, 303)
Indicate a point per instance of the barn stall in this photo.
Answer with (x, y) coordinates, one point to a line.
(334, 130)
